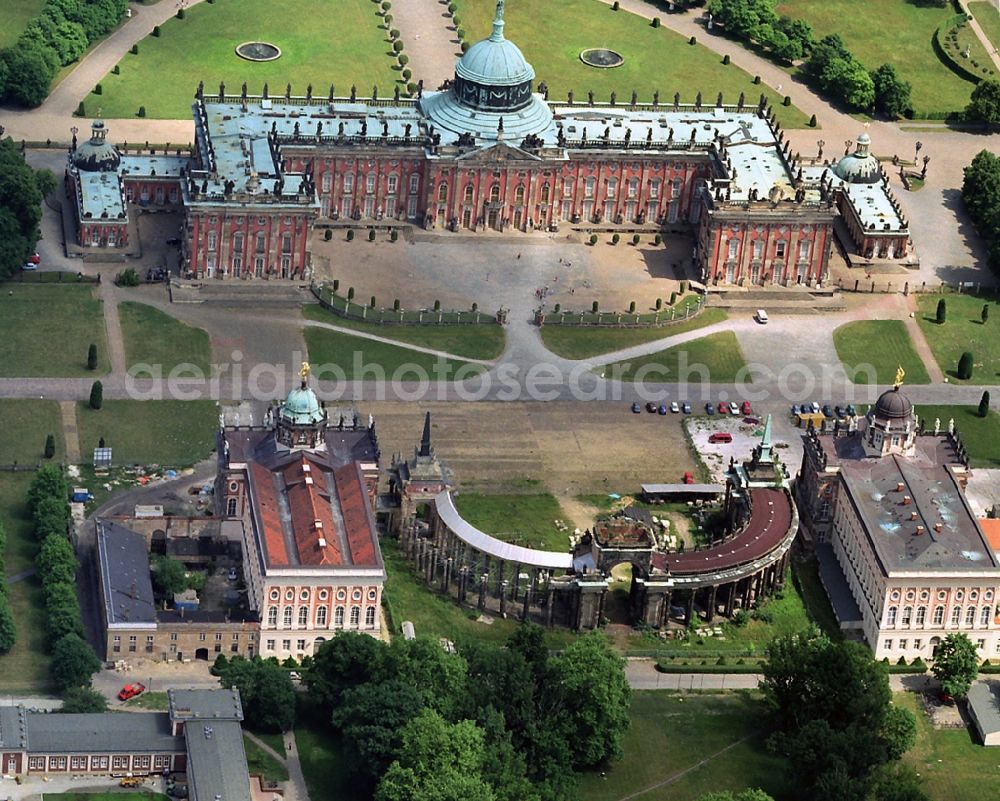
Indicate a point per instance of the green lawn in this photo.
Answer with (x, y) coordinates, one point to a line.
(16, 15)
(25, 667)
(45, 330)
(552, 35)
(324, 765)
(321, 41)
(27, 423)
(159, 340)
(436, 615)
(170, 433)
(981, 435)
(334, 355)
(153, 701)
(895, 31)
(988, 17)
(672, 732)
(262, 763)
(273, 739)
(580, 343)
(952, 765)
(717, 356)
(470, 341)
(805, 573)
(963, 330)
(518, 519)
(878, 347)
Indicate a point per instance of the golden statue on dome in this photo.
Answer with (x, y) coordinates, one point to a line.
(900, 375)
(304, 372)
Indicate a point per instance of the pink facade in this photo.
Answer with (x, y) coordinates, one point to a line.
(248, 242)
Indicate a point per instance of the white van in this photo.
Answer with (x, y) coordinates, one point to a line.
(761, 316)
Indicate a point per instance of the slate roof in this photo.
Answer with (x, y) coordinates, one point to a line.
(100, 732)
(204, 704)
(126, 587)
(217, 765)
(984, 701)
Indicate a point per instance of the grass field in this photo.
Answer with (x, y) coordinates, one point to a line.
(321, 41)
(25, 667)
(988, 17)
(16, 15)
(324, 765)
(671, 732)
(169, 433)
(273, 739)
(262, 763)
(333, 355)
(963, 330)
(518, 519)
(580, 343)
(470, 341)
(153, 701)
(27, 423)
(877, 348)
(157, 339)
(436, 615)
(45, 330)
(981, 435)
(717, 355)
(894, 31)
(552, 35)
(952, 766)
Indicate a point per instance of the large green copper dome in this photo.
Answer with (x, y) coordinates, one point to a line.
(495, 61)
(301, 407)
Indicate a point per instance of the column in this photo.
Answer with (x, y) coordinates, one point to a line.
(446, 574)
(500, 585)
(665, 611)
(463, 579)
(689, 611)
(483, 579)
(550, 601)
(503, 599)
(710, 614)
(731, 599)
(527, 603)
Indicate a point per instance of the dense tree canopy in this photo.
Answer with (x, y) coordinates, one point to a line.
(833, 708)
(266, 691)
(756, 21)
(956, 664)
(981, 195)
(892, 93)
(73, 662)
(984, 104)
(83, 699)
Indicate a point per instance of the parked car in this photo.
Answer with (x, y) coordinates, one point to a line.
(813, 407)
(662, 409)
(827, 410)
(686, 408)
(796, 410)
(723, 407)
(636, 408)
(709, 408)
(761, 316)
(839, 411)
(851, 410)
(720, 436)
(651, 407)
(131, 691)
(689, 477)
(29, 266)
(752, 421)
(231, 575)
(173, 240)
(733, 408)
(674, 408)
(745, 408)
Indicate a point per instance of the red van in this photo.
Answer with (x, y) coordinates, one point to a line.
(720, 436)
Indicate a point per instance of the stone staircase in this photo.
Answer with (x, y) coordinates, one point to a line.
(241, 293)
(787, 300)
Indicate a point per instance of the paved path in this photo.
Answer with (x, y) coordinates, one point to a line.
(920, 344)
(113, 328)
(429, 38)
(20, 576)
(983, 38)
(71, 432)
(295, 788)
(441, 354)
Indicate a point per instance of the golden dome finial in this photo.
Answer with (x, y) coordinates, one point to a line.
(304, 372)
(900, 375)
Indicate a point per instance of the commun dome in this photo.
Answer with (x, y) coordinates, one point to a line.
(859, 167)
(492, 91)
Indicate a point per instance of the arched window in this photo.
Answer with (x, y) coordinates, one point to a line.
(970, 616)
(545, 193)
(303, 615)
(355, 616)
(272, 616)
(370, 617)
(468, 193)
(442, 192)
(261, 243)
(231, 507)
(921, 615)
(612, 187)
(414, 182)
(938, 615)
(633, 187)
(519, 194)
(338, 617)
(956, 615)
(238, 243)
(286, 616)
(495, 193)
(907, 615)
(321, 616)
(984, 616)
(890, 619)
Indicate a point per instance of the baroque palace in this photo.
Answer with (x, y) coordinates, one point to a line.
(487, 151)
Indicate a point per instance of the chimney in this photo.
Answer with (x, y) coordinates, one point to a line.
(913, 515)
(938, 526)
(132, 591)
(907, 500)
(900, 486)
(919, 531)
(321, 543)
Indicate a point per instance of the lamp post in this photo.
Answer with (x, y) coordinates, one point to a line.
(923, 172)
(919, 145)
(847, 146)
(74, 130)
(819, 145)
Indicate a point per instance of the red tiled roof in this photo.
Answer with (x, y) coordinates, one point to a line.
(312, 518)
(266, 500)
(354, 507)
(991, 528)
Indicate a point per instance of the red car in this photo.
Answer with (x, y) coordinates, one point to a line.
(689, 477)
(720, 436)
(746, 408)
(131, 691)
(723, 407)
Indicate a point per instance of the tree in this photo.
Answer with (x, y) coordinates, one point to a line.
(594, 697)
(965, 365)
(50, 446)
(848, 80)
(984, 105)
(56, 560)
(51, 517)
(8, 632)
(438, 675)
(83, 699)
(371, 719)
(168, 574)
(96, 395)
(898, 782)
(73, 662)
(828, 49)
(899, 731)
(20, 208)
(346, 661)
(892, 93)
(92, 357)
(742, 795)
(981, 195)
(437, 761)
(956, 664)
(942, 312)
(62, 610)
(984, 315)
(266, 691)
(984, 404)
(30, 71)
(48, 482)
